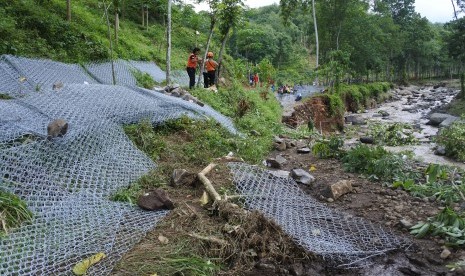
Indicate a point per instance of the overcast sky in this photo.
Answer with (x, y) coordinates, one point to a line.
(434, 10)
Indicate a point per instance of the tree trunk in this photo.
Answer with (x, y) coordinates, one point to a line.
(210, 35)
(143, 16)
(168, 48)
(220, 56)
(116, 27)
(111, 44)
(462, 86)
(455, 12)
(316, 34)
(147, 18)
(68, 10)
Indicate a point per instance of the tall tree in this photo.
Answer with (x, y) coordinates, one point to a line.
(288, 7)
(213, 4)
(68, 10)
(168, 48)
(116, 7)
(229, 16)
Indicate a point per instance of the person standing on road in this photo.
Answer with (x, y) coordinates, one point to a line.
(192, 66)
(210, 67)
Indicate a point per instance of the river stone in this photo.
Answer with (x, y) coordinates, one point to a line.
(358, 121)
(447, 122)
(302, 177)
(303, 150)
(367, 140)
(440, 150)
(437, 118)
(276, 162)
(280, 146)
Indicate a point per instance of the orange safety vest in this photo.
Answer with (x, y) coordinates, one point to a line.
(211, 65)
(192, 61)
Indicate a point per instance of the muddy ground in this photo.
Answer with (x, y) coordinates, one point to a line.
(247, 244)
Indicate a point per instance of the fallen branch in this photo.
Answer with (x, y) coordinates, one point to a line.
(208, 185)
(209, 238)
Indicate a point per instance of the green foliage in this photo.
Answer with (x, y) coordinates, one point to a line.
(128, 194)
(439, 182)
(453, 139)
(375, 162)
(336, 105)
(328, 148)
(143, 79)
(13, 212)
(447, 224)
(5, 97)
(392, 134)
(145, 138)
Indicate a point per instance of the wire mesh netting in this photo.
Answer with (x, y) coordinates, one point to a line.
(67, 182)
(340, 238)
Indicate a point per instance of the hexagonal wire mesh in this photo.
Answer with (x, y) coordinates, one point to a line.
(67, 182)
(340, 238)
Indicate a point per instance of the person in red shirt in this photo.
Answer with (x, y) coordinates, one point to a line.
(256, 80)
(192, 66)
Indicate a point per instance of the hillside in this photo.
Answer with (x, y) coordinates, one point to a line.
(39, 29)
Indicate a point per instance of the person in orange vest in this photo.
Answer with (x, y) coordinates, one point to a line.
(210, 68)
(192, 66)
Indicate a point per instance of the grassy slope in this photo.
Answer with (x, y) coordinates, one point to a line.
(33, 30)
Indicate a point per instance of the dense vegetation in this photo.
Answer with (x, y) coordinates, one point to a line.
(384, 40)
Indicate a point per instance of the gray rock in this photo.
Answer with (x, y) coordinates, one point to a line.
(57, 128)
(447, 122)
(181, 177)
(367, 140)
(177, 90)
(406, 223)
(57, 85)
(297, 269)
(437, 118)
(440, 150)
(280, 146)
(302, 177)
(358, 121)
(175, 94)
(303, 150)
(155, 200)
(276, 162)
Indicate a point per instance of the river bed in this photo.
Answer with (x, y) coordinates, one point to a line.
(412, 107)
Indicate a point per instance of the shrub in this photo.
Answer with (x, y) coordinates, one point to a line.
(453, 139)
(143, 79)
(328, 148)
(375, 162)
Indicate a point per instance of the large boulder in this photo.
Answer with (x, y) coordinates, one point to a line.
(437, 118)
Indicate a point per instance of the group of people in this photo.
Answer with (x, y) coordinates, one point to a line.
(254, 80)
(210, 67)
(285, 89)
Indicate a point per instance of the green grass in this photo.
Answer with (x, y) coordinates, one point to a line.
(41, 30)
(5, 97)
(457, 107)
(13, 212)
